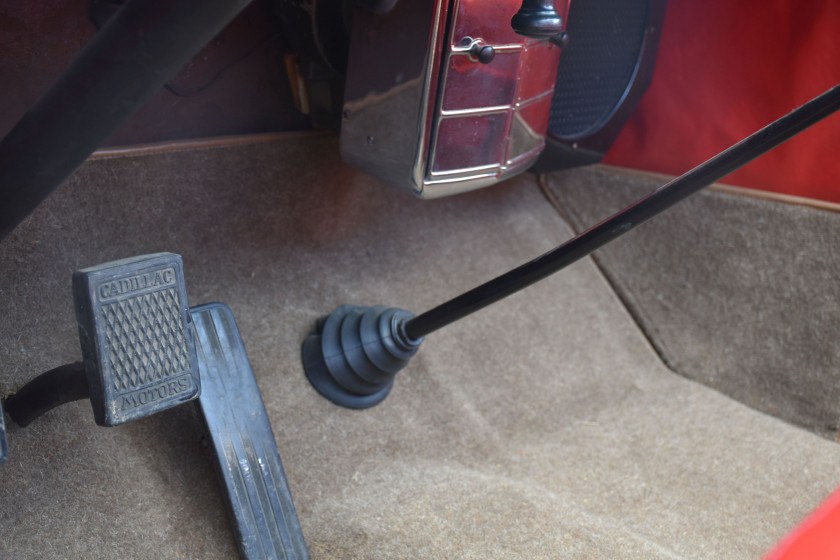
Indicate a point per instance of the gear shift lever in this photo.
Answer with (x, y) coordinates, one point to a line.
(355, 352)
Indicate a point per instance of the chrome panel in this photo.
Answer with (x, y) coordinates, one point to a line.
(422, 113)
(391, 72)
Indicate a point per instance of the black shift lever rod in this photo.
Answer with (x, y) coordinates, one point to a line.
(355, 352)
(637, 213)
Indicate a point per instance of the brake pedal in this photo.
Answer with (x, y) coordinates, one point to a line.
(145, 351)
(136, 333)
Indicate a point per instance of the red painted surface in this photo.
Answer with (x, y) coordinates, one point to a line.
(724, 70)
(816, 537)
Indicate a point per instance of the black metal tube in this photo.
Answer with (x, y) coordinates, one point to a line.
(663, 198)
(143, 45)
(53, 388)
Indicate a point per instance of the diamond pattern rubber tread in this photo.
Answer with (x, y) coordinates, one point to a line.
(137, 336)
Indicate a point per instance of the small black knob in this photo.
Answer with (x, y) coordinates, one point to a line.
(483, 53)
(561, 39)
(537, 19)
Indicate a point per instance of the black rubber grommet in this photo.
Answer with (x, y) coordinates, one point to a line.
(355, 353)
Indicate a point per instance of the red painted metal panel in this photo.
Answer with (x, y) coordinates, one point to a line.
(817, 537)
(726, 69)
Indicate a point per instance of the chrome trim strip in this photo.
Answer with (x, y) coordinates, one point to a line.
(521, 159)
(463, 181)
(461, 50)
(425, 145)
(462, 170)
(467, 174)
(476, 111)
(532, 100)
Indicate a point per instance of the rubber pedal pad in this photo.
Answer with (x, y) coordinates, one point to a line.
(137, 338)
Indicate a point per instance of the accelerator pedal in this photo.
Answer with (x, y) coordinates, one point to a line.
(245, 453)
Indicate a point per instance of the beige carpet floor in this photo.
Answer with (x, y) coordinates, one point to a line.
(737, 292)
(543, 427)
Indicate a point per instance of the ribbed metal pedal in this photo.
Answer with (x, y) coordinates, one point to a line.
(245, 453)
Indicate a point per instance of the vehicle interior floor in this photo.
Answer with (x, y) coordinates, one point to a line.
(545, 426)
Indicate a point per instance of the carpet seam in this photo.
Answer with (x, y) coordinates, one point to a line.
(613, 283)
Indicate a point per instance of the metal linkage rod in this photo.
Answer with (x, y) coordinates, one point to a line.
(641, 211)
(143, 45)
(58, 386)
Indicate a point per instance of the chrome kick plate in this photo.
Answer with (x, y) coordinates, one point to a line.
(444, 97)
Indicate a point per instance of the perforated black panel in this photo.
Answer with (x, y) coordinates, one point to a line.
(598, 63)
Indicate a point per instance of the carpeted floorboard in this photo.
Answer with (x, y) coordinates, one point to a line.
(542, 427)
(735, 292)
